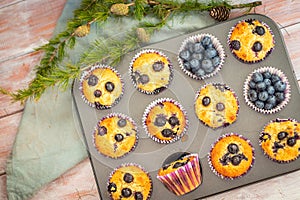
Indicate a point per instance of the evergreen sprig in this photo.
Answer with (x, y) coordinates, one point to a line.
(109, 51)
(52, 71)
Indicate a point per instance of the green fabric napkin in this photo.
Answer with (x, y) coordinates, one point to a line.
(49, 141)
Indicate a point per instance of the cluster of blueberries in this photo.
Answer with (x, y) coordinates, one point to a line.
(266, 90)
(200, 58)
(232, 156)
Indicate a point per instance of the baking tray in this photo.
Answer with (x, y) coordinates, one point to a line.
(199, 137)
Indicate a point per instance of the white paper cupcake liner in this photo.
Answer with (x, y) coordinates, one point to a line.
(197, 38)
(248, 61)
(87, 73)
(159, 88)
(135, 165)
(155, 103)
(218, 173)
(287, 91)
(121, 116)
(277, 120)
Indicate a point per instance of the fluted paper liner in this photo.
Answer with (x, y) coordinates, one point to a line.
(197, 38)
(120, 116)
(185, 179)
(153, 104)
(88, 72)
(278, 120)
(135, 165)
(287, 91)
(159, 88)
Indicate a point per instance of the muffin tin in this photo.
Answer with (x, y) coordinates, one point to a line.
(199, 138)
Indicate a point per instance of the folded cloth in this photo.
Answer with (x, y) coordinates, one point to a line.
(49, 141)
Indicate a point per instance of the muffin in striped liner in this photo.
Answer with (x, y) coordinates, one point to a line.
(181, 173)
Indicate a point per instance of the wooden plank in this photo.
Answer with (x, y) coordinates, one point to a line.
(283, 12)
(16, 74)
(292, 39)
(281, 187)
(8, 130)
(3, 192)
(77, 183)
(6, 3)
(30, 24)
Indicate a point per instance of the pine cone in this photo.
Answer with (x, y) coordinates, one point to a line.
(119, 9)
(220, 13)
(142, 35)
(82, 30)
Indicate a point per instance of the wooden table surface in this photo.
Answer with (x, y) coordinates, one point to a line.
(27, 24)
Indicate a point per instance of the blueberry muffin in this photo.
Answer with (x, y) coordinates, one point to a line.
(165, 120)
(115, 135)
(251, 40)
(101, 87)
(232, 156)
(201, 56)
(151, 71)
(181, 173)
(267, 90)
(216, 105)
(129, 181)
(280, 140)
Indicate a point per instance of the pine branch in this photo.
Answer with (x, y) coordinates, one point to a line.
(50, 71)
(58, 76)
(109, 51)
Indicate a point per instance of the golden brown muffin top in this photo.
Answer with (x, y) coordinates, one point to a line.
(251, 40)
(216, 105)
(280, 140)
(151, 71)
(130, 182)
(115, 135)
(231, 156)
(165, 121)
(101, 87)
